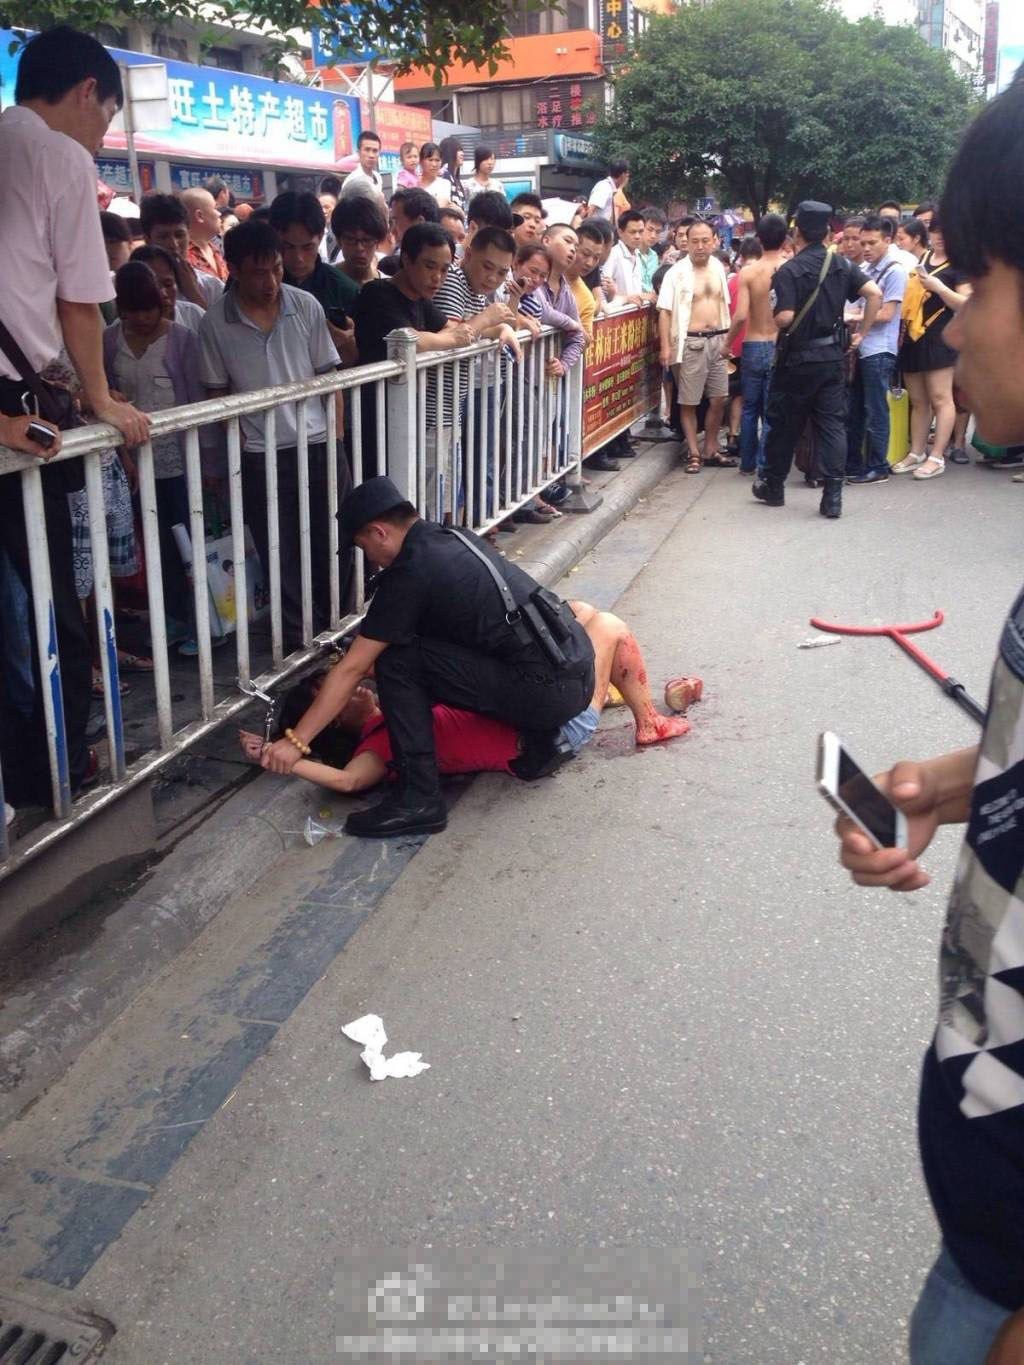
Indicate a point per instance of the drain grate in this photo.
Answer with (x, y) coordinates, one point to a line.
(33, 1334)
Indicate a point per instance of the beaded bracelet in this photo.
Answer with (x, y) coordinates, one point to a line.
(303, 749)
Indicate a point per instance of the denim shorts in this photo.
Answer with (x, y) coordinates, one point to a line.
(580, 730)
(952, 1323)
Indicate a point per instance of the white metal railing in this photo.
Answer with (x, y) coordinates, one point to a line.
(469, 435)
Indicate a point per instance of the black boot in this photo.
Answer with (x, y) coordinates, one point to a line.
(772, 492)
(832, 499)
(416, 806)
(544, 752)
(397, 815)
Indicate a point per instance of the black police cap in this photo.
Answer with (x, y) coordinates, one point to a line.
(813, 216)
(371, 499)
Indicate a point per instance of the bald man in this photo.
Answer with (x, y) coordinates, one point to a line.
(203, 227)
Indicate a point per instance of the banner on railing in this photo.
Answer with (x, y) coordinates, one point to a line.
(622, 378)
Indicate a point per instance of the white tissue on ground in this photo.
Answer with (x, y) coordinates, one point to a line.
(369, 1031)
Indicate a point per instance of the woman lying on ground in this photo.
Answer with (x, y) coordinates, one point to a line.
(353, 753)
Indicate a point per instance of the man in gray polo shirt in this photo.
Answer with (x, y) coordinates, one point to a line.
(261, 333)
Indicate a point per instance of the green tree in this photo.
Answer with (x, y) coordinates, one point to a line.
(411, 33)
(779, 100)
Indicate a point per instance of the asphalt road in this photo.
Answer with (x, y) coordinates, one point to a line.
(658, 1018)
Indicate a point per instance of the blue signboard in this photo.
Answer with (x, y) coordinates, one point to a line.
(219, 114)
(327, 52)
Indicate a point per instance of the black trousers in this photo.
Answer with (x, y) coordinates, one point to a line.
(411, 678)
(254, 492)
(26, 768)
(814, 392)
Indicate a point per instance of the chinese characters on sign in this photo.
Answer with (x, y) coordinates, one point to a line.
(117, 175)
(569, 104)
(622, 376)
(616, 29)
(218, 113)
(244, 184)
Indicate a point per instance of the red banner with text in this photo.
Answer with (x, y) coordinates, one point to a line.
(622, 376)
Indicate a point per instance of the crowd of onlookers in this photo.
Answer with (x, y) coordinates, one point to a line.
(201, 297)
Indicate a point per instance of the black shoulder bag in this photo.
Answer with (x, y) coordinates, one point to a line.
(544, 619)
(56, 405)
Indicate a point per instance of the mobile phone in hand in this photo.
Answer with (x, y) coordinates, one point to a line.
(848, 789)
(43, 436)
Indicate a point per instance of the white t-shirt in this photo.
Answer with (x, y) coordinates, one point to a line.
(602, 199)
(907, 259)
(626, 269)
(50, 230)
(358, 182)
(211, 287)
(190, 315)
(441, 190)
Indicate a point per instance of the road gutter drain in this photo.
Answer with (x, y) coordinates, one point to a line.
(32, 1334)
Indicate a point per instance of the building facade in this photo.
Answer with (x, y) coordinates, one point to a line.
(537, 110)
(957, 27)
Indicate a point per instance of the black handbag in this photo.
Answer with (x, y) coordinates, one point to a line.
(55, 404)
(543, 620)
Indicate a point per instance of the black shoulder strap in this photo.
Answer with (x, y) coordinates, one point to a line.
(809, 302)
(18, 359)
(512, 613)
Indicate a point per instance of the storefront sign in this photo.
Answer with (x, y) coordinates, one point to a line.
(616, 29)
(622, 375)
(118, 176)
(398, 123)
(573, 151)
(216, 113)
(242, 184)
(569, 104)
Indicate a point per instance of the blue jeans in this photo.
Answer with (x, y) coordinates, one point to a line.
(755, 385)
(952, 1324)
(869, 412)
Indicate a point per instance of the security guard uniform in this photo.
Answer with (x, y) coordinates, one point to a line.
(807, 382)
(449, 639)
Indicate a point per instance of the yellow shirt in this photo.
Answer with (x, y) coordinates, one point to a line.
(586, 306)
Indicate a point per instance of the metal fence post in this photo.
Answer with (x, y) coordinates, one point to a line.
(404, 454)
(581, 498)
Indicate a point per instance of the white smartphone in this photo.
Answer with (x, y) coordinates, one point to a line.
(851, 792)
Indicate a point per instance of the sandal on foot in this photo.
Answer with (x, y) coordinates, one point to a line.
(694, 464)
(720, 461)
(97, 685)
(133, 663)
(931, 469)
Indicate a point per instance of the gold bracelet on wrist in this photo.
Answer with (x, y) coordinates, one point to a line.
(303, 749)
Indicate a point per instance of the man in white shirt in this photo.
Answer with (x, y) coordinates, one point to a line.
(56, 275)
(601, 203)
(365, 179)
(625, 264)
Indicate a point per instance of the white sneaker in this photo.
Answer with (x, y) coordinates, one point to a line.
(937, 465)
(908, 463)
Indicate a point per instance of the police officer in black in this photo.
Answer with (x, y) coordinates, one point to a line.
(808, 299)
(450, 621)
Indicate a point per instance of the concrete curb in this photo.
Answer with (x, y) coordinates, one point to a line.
(47, 1026)
(576, 535)
(64, 1009)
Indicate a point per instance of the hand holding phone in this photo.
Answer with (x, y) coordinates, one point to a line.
(849, 790)
(916, 789)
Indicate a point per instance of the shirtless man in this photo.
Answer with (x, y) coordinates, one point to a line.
(754, 311)
(693, 325)
(467, 742)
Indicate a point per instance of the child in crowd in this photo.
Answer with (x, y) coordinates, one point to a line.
(154, 362)
(409, 175)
